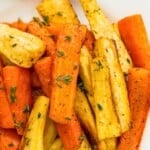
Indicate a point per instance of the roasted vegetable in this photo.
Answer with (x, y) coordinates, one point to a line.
(102, 27)
(33, 135)
(57, 11)
(117, 81)
(21, 48)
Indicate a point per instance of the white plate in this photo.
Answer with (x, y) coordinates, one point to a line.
(11, 10)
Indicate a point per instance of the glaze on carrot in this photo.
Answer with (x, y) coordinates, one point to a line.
(43, 70)
(139, 95)
(134, 35)
(65, 71)
(6, 119)
(18, 87)
(71, 134)
(9, 139)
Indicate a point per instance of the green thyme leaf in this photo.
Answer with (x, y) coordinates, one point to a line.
(67, 118)
(82, 137)
(59, 13)
(14, 45)
(99, 106)
(67, 38)
(46, 19)
(60, 53)
(99, 65)
(13, 94)
(66, 79)
(27, 109)
(39, 115)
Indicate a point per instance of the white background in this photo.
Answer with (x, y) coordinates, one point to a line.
(11, 10)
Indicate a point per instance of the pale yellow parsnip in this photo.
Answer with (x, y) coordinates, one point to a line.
(102, 27)
(33, 135)
(21, 48)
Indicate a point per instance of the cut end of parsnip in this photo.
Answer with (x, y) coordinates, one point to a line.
(20, 48)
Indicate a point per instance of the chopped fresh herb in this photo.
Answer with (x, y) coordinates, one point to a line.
(99, 65)
(27, 141)
(82, 137)
(75, 66)
(67, 118)
(39, 115)
(59, 13)
(60, 53)
(99, 106)
(26, 109)
(41, 23)
(58, 85)
(11, 36)
(11, 144)
(14, 45)
(19, 124)
(46, 19)
(128, 60)
(13, 94)
(35, 19)
(68, 38)
(66, 79)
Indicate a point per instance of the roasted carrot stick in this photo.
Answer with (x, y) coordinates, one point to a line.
(36, 29)
(54, 29)
(65, 71)
(19, 24)
(43, 70)
(6, 119)
(133, 33)
(71, 134)
(139, 95)
(17, 84)
(9, 139)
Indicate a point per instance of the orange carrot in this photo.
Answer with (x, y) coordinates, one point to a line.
(9, 139)
(71, 134)
(133, 33)
(43, 70)
(65, 71)
(36, 29)
(35, 82)
(6, 119)
(17, 83)
(19, 25)
(139, 95)
(54, 29)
